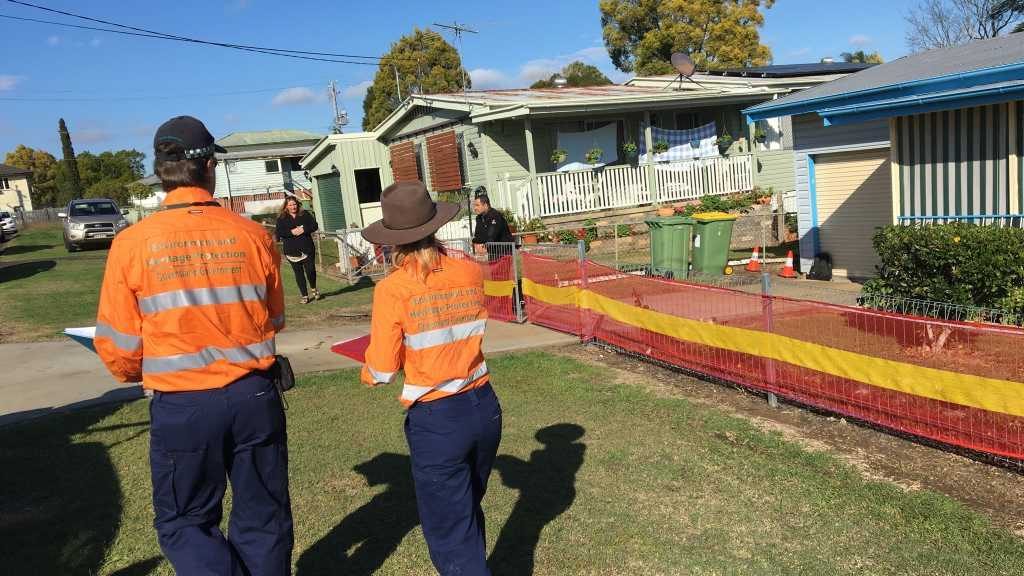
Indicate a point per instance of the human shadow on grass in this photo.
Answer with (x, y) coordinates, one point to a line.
(22, 270)
(27, 248)
(61, 500)
(364, 539)
(360, 284)
(547, 488)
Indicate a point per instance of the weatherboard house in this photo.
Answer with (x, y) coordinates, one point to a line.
(260, 168)
(929, 138)
(571, 153)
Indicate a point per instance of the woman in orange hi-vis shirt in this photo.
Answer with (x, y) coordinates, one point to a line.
(428, 321)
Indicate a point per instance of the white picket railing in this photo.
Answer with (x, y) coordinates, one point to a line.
(690, 180)
(564, 193)
(591, 190)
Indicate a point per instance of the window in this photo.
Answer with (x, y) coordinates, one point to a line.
(93, 209)
(368, 185)
(4, 184)
(686, 121)
(272, 166)
(293, 165)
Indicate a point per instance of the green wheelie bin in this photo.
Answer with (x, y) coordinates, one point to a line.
(712, 234)
(671, 237)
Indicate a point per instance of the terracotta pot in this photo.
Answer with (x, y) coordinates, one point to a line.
(353, 261)
(666, 211)
(529, 239)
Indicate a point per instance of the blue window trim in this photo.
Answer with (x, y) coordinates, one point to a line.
(812, 186)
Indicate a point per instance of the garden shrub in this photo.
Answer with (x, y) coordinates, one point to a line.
(959, 264)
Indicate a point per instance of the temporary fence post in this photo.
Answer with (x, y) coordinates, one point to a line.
(517, 297)
(615, 231)
(581, 259)
(345, 259)
(766, 308)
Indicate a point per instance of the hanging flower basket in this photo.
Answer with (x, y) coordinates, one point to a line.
(558, 156)
(594, 156)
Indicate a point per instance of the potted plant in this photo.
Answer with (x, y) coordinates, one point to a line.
(630, 150)
(724, 142)
(665, 210)
(559, 156)
(661, 147)
(530, 228)
(594, 156)
(760, 135)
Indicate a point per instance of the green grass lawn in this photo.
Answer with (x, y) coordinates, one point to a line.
(43, 289)
(624, 482)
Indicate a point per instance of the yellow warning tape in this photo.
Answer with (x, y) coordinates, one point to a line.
(990, 394)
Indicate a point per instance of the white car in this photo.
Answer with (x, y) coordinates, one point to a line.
(8, 223)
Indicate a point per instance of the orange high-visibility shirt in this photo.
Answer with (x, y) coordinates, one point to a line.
(432, 331)
(191, 298)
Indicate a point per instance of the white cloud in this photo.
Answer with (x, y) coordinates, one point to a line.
(297, 96)
(541, 68)
(53, 40)
(860, 40)
(8, 82)
(356, 91)
(488, 78)
(90, 135)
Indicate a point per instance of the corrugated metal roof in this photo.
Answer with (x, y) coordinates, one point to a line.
(283, 151)
(977, 55)
(535, 95)
(8, 170)
(263, 137)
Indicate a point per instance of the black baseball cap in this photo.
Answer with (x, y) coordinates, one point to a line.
(194, 139)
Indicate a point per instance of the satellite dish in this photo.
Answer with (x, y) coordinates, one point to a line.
(682, 63)
(686, 68)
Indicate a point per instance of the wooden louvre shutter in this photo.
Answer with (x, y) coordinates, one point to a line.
(404, 164)
(443, 157)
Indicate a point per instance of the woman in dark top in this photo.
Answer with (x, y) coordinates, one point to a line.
(295, 228)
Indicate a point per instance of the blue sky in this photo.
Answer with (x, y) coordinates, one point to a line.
(115, 90)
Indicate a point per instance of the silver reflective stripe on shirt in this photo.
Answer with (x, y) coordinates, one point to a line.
(277, 321)
(445, 335)
(413, 393)
(127, 342)
(207, 356)
(381, 377)
(201, 297)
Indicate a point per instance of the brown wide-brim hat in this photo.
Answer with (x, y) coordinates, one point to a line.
(410, 215)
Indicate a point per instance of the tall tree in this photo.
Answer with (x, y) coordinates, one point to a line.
(71, 179)
(943, 23)
(862, 57)
(576, 74)
(425, 63)
(1015, 7)
(641, 35)
(44, 169)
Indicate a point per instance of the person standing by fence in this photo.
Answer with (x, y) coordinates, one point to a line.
(295, 228)
(428, 320)
(491, 227)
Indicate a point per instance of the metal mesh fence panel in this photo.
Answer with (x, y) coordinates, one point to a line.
(954, 382)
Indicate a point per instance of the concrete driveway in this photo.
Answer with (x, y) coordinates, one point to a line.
(46, 377)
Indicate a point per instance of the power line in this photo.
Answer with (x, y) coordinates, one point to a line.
(146, 33)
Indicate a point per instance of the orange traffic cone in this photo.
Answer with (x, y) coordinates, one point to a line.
(755, 261)
(787, 270)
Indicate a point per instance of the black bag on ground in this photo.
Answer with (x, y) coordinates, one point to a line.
(821, 269)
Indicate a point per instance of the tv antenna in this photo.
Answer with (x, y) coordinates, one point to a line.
(686, 68)
(459, 30)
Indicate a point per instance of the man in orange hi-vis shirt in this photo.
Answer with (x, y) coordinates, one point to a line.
(190, 304)
(428, 321)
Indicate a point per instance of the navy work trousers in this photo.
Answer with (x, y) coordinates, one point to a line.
(197, 441)
(452, 444)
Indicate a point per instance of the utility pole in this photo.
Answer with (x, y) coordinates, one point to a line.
(459, 30)
(340, 116)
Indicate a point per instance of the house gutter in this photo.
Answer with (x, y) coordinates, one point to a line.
(988, 75)
(863, 113)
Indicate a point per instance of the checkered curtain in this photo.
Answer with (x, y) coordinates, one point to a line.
(700, 142)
